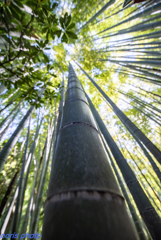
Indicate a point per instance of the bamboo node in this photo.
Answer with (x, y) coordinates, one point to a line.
(83, 123)
(86, 195)
(76, 99)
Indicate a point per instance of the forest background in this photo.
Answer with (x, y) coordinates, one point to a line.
(119, 48)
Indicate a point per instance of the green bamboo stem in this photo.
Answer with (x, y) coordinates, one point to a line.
(141, 14)
(8, 192)
(17, 215)
(7, 98)
(8, 116)
(34, 220)
(8, 125)
(146, 153)
(29, 206)
(145, 208)
(29, 160)
(3, 229)
(81, 177)
(10, 102)
(147, 181)
(108, 4)
(14, 138)
(136, 219)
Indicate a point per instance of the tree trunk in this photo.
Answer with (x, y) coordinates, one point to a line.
(84, 200)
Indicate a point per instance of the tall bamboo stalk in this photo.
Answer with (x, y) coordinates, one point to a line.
(48, 147)
(8, 125)
(83, 196)
(9, 190)
(7, 117)
(17, 215)
(10, 102)
(136, 220)
(14, 138)
(109, 3)
(148, 213)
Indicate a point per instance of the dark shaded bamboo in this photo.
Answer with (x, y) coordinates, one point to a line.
(9, 213)
(144, 177)
(147, 61)
(30, 211)
(145, 12)
(146, 153)
(8, 125)
(145, 113)
(83, 195)
(150, 92)
(136, 220)
(147, 181)
(148, 213)
(14, 138)
(10, 102)
(143, 72)
(60, 108)
(109, 3)
(6, 118)
(145, 104)
(38, 200)
(13, 186)
(148, 156)
(141, 104)
(29, 160)
(19, 202)
(7, 98)
(8, 192)
(108, 16)
(30, 202)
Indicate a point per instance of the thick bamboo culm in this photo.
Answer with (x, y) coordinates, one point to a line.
(84, 201)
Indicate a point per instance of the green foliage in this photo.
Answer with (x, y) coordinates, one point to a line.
(67, 28)
(27, 32)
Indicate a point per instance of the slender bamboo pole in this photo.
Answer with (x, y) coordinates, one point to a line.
(17, 215)
(8, 125)
(136, 220)
(6, 118)
(14, 138)
(10, 102)
(35, 216)
(9, 190)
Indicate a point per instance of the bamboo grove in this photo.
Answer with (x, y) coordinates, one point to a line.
(80, 135)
